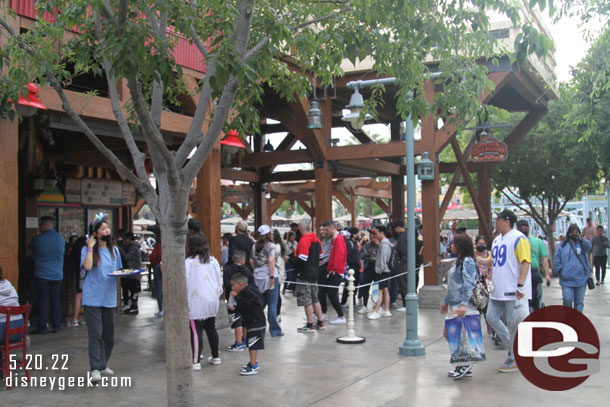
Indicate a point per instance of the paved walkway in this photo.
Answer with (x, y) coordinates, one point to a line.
(312, 369)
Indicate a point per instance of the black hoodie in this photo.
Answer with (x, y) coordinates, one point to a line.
(250, 307)
(229, 271)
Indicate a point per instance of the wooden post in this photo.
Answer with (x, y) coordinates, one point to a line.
(9, 204)
(430, 215)
(260, 205)
(324, 193)
(484, 190)
(209, 200)
(398, 197)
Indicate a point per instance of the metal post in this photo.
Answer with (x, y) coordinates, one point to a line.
(411, 346)
(351, 332)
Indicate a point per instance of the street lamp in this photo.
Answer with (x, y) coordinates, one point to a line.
(27, 107)
(268, 147)
(425, 169)
(232, 143)
(356, 104)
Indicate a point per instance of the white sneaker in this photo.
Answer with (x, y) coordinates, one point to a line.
(338, 321)
(197, 366)
(108, 371)
(213, 361)
(374, 315)
(401, 309)
(324, 317)
(385, 313)
(363, 310)
(96, 376)
(159, 314)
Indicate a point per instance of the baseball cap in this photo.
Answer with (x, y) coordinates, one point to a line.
(523, 222)
(263, 229)
(194, 224)
(508, 215)
(346, 233)
(242, 225)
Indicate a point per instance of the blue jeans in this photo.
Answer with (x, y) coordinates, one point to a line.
(270, 301)
(49, 294)
(574, 297)
(15, 323)
(393, 290)
(158, 277)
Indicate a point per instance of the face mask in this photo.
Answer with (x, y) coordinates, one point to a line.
(525, 232)
(481, 248)
(106, 238)
(574, 237)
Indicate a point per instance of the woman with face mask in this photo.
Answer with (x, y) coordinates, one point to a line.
(573, 268)
(99, 258)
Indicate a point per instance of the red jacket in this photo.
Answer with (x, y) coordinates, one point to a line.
(155, 257)
(338, 255)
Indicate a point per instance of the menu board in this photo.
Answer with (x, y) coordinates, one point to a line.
(73, 190)
(129, 195)
(101, 192)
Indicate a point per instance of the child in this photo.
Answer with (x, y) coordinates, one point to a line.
(250, 307)
(238, 266)
(203, 288)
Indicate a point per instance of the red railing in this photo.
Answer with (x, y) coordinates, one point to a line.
(186, 55)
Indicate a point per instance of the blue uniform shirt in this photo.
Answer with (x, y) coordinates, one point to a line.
(48, 250)
(99, 289)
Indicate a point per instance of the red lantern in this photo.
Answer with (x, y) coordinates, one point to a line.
(232, 142)
(27, 107)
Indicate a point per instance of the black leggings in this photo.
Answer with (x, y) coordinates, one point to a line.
(197, 327)
(367, 277)
(130, 288)
(600, 263)
(323, 292)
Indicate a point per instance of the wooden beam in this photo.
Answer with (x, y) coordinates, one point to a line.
(372, 193)
(306, 208)
(484, 191)
(288, 176)
(384, 206)
(466, 175)
(345, 201)
(136, 209)
(454, 181)
(398, 197)
(279, 200)
(524, 127)
(242, 212)
(392, 149)
(324, 194)
(276, 157)
(444, 134)
(381, 167)
(208, 200)
(239, 175)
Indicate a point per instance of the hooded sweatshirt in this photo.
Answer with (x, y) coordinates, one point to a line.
(203, 287)
(307, 260)
(8, 298)
(569, 264)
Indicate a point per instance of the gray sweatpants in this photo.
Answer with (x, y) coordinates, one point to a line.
(100, 328)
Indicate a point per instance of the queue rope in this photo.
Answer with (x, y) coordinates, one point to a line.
(355, 287)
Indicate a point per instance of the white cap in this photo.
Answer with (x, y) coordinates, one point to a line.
(346, 233)
(263, 229)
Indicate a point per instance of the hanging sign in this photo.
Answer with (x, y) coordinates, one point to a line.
(489, 150)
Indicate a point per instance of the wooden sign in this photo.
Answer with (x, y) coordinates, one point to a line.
(100, 192)
(73, 190)
(129, 195)
(489, 150)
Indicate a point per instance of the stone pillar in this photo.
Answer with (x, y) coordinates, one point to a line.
(208, 200)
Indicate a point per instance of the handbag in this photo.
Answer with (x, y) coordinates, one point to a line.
(590, 282)
(482, 289)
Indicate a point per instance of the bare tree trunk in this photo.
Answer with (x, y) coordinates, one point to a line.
(175, 305)
(550, 240)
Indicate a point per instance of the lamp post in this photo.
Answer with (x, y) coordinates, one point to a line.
(411, 345)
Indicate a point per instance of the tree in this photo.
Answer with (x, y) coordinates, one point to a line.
(549, 167)
(244, 45)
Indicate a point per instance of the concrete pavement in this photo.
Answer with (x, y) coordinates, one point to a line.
(312, 369)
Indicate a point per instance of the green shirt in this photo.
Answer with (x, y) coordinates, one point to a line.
(539, 250)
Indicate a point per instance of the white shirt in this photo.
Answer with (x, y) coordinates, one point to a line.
(506, 267)
(203, 287)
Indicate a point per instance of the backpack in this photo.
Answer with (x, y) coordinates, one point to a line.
(353, 255)
(394, 260)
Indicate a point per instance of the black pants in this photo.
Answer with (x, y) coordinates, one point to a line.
(197, 328)
(356, 269)
(100, 329)
(600, 263)
(536, 280)
(368, 277)
(130, 288)
(331, 293)
(279, 301)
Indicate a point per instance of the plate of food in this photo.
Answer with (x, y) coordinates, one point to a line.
(126, 272)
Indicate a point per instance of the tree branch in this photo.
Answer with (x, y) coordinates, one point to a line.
(265, 40)
(157, 94)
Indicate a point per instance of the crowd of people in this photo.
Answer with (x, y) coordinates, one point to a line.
(311, 263)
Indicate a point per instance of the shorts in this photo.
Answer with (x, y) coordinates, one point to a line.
(255, 340)
(234, 319)
(382, 276)
(306, 294)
